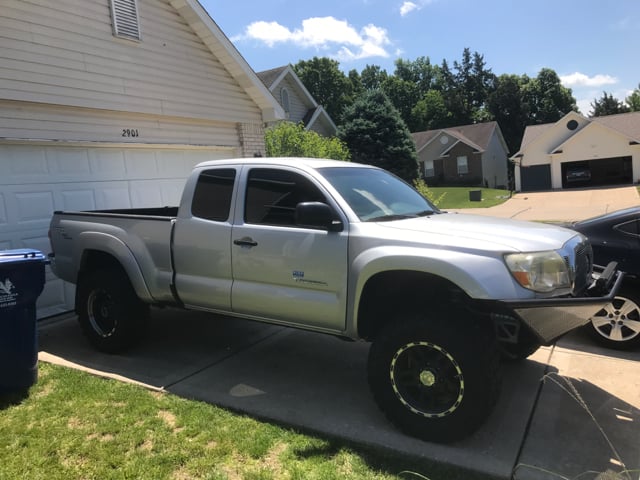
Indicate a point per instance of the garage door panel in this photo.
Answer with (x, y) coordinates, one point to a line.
(33, 206)
(107, 162)
(68, 163)
(112, 195)
(76, 199)
(56, 297)
(141, 164)
(146, 194)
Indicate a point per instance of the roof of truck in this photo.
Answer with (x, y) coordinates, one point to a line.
(284, 161)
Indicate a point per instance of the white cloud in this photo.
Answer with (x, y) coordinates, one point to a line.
(578, 79)
(408, 6)
(323, 33)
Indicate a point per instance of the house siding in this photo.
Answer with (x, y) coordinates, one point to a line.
(298, 109)
(64, 53)
(26, 121)
(494, 164)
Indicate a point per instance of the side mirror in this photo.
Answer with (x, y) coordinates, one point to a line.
(317, 215)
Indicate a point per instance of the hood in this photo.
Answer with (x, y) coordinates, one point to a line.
(490, 233)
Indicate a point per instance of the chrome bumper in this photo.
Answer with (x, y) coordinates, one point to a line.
(550, 318)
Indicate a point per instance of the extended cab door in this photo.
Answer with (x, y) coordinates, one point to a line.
(202, 240)
(282, 271)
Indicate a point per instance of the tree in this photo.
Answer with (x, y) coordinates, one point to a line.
(403, 94)
(547, 99)
(429, 113)
(373, 77)
(607, 105)
(288, 139)
(326, 83)
(633, 100)
(475, 82)
(506, 106)
(376, 135)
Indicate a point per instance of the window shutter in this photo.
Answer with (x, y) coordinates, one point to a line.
(124, 14)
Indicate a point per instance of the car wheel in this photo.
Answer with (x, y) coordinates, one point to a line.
(111, 316)
(617, 324)
(435, 379)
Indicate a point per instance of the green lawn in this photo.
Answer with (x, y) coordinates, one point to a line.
(73, 425)
(458, 197)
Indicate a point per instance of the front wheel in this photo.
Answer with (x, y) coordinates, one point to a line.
(111, 316)
(617, 324)
(437, 380)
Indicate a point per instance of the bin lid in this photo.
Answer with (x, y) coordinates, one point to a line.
(21, 254)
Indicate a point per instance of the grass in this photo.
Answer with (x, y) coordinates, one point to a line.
(458, 197)
(73, 425)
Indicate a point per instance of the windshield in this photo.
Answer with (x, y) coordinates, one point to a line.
(377, 195)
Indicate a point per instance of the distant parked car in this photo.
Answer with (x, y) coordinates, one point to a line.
(578, 174)
(616, 236)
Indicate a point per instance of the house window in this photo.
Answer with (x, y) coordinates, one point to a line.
(124, 16)
(284, 96)
(428, 169)
(463, 165)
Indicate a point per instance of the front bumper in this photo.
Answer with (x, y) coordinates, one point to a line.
(550, 318)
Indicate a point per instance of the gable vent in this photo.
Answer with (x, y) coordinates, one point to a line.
(124, 14)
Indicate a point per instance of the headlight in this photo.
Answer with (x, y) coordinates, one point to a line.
(539, 271)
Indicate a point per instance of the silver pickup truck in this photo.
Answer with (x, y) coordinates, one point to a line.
(347, 250)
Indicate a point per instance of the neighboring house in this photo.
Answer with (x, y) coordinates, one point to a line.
(296, 101)
(579, 152)
(467, 155)
(109, 104)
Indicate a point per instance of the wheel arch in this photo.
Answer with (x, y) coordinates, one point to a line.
(387, 292)
(112, 254)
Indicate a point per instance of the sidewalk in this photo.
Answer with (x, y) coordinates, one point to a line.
(562, 205)
(318, 384)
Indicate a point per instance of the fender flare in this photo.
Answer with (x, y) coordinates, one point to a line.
(102, 242)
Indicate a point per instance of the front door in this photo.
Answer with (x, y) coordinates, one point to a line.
(281, 271)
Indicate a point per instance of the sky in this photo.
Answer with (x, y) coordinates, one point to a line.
(593, 45)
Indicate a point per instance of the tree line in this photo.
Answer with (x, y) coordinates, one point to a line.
(429, 96)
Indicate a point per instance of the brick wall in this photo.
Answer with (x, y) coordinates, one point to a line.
(251, 139)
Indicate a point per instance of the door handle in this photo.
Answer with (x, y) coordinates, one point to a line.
(246, 242)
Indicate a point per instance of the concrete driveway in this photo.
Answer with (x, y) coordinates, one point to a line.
(568, 409)
(562, 205)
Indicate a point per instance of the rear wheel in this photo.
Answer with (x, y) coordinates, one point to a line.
(617, 324)
(433, 378)
(111, 316)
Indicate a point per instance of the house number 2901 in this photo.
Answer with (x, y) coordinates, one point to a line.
(130, 132)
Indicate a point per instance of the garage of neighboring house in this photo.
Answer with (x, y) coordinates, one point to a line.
(110, 104)
(579, 152)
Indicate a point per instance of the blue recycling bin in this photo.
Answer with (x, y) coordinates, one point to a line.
(22, 279)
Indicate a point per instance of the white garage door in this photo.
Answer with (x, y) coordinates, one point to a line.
(36, 180)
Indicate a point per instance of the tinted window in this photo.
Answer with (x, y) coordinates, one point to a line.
(212, 196)
(272, 196)
(630, 228)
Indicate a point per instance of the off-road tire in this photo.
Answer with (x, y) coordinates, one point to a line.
(111, 316)
(617, 324)
(437, 377)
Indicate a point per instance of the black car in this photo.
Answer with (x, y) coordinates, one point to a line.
(616, 236)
